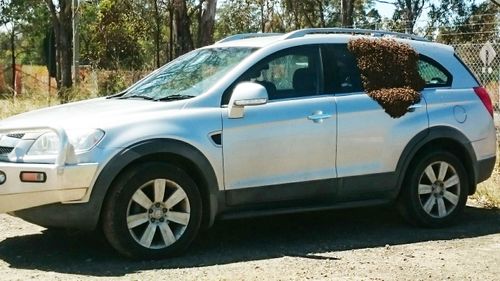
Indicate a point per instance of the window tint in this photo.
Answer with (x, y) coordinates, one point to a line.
(434, 74)
(289, 73)
(341, 70)
(282, 69)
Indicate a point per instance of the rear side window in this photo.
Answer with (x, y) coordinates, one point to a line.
(434, 74)
(342, 73)
(341, 69)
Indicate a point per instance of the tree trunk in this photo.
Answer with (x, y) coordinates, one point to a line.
(207, 23)
(13, 58)
(347, 11)
(408, 16)
(171, 33)
(321, 13)
(61, 20)
(182, 32)
(157, 34)
(262, 22)
(58, 58)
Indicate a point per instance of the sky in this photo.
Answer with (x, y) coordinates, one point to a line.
(384, 9)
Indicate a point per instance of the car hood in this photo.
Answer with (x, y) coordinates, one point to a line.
(95, 113)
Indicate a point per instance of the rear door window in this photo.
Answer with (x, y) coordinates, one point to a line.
(341, 70)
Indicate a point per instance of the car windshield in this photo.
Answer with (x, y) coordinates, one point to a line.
(188, 76)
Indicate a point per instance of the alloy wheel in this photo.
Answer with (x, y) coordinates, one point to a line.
(158, 214)
(439, 189)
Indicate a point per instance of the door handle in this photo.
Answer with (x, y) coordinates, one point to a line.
(412, 108)
(318, 116)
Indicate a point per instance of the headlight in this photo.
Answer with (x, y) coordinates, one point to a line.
(82, 140)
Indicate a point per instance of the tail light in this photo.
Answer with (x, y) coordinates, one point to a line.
(485, 98)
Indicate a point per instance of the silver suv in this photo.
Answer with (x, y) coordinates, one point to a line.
(255, 124)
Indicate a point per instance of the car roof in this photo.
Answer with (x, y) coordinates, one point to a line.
(255, 42)
(328, 35)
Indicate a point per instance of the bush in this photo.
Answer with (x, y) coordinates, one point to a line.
(389, 72)
(111, 83)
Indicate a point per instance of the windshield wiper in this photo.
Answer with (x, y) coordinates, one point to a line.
(137, 97)
(174, 97)
(117, 95)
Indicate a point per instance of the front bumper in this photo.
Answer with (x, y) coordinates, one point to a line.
(63, 184)
(66, 180)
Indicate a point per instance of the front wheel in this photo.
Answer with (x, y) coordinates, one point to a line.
(153, 211)
(435, 190)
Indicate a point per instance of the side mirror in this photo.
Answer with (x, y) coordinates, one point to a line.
(246, 94)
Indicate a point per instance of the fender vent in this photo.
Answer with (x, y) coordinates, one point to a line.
(217, 138)
(16, 136)
(5, 150)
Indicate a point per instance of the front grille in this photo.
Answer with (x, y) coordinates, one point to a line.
(16, 135)
(5, 150)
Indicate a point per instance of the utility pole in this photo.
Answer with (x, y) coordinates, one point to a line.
(76, 43)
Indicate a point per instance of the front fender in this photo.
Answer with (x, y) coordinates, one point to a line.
(86, 216)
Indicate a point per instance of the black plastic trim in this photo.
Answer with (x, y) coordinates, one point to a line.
(367, 187)
(323, 190)
(484, 168)
(297, 208)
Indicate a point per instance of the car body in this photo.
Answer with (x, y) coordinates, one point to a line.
(232, 145)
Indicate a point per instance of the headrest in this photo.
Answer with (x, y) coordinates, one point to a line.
(304, 79)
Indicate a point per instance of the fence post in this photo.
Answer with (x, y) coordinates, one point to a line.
(19, 79)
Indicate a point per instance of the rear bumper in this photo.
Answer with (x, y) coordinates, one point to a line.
(485, 168)
(63, 184)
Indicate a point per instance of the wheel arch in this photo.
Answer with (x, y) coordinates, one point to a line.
(438, 137)
(176, 152)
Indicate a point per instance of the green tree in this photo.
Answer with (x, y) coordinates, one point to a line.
(236, 16)
(406, 13)
(119, 31)
(456, 21)
(20, 18)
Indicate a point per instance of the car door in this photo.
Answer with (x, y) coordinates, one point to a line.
(369, 141)
(285, 149)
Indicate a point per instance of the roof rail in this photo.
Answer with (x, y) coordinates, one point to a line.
(353, 31)
(246, 36)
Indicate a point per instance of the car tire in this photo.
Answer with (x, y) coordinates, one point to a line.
(435, 190)
(153, 210)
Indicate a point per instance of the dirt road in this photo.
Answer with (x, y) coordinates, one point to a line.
(367, 244)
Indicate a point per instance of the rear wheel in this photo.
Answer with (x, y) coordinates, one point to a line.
(153, 211)
(435, 190)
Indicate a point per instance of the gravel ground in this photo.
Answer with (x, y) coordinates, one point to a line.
(363, 244)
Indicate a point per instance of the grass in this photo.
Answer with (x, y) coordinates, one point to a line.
(487, 195)
(26, 102)
(488, 192)
(13, 106)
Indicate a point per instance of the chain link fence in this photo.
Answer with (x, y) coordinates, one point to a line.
(34, 80)
(484, 62)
